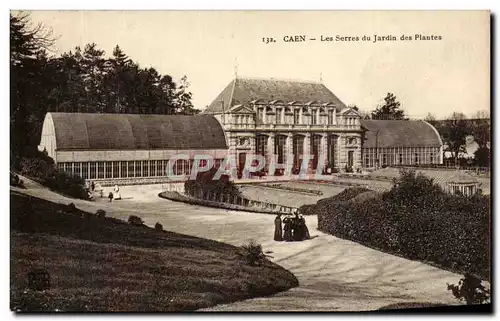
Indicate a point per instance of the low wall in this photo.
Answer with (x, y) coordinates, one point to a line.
(219, 201)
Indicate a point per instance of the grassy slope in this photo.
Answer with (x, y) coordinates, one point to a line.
(107, 265)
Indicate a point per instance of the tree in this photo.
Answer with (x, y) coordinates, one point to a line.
(454, 130)
(28, 46)
(391, 109)
(481, 129)
(183, 103)
(431, 119)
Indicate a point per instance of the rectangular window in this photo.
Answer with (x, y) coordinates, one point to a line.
(330, 117)
(432, 158)
(260, 115)
(85, 170)
(384, 159)
(109, 168)
(296, 116)
(145, 168)
(416, 158)
(152, 168)
(400, 158)
(138, 169)
(159, 168)
(314, 115)
(123, 169)
(93, 171)
(278, 115)
(116, 170)
(100, 169)
(78, 169)
(130, 169)
(186, 167)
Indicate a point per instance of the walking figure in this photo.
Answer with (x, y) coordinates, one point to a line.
(287, 235)
(92, 186)
(278, 229)
(110, 196)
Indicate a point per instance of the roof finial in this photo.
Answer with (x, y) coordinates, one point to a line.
(236, 67)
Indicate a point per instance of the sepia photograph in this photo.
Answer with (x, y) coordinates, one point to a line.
(250, 161)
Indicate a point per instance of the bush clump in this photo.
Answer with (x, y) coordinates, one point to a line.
(100, 213)
(253, 253)
(135, 220)
(40, 167)
(415, 219)
(158, 226)
(205, 182)
(471, 290)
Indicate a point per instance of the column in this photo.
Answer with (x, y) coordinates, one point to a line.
(306, 150)
(301, 118)
(270, 151)
(323, 150)
(288, 149)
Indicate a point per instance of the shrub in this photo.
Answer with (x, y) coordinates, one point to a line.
(470, 290)
(205, 182)
(415, 219)
(71, 208)
(253, 253)
(39, 166)
(135, 220)
(158, 226)
(100, 213)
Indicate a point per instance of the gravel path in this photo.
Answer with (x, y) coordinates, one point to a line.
(334, 274)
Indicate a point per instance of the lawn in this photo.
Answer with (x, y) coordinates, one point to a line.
(105, 264)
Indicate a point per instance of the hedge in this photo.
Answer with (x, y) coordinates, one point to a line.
(41, 168)
(416, 220)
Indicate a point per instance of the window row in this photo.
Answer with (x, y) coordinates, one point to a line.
(400, 156)
(129, 169)
(297, 117)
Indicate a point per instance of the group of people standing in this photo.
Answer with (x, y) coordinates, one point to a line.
(291, 228)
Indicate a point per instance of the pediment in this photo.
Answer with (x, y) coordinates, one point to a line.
(350, 112)
(241, 109)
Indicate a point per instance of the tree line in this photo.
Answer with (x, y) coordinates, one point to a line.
(81, 80)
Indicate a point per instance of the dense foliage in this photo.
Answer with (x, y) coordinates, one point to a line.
(40, 167)
(417, 220)
(205, 182)
(391, 109)
(83, 80)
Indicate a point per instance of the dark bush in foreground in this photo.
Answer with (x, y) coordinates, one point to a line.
(470, 290)
(158, 226)
(39, 166)
(417, 220)
(135, 220)
(101, 213)
(253, 253)
(71, 208)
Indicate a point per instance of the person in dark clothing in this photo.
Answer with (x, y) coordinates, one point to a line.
(110, 196)
(297, 228)
(287, 235)
(92, 186)
(278, 229)
(305, 230)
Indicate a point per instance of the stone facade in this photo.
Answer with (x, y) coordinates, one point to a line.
(327, 130)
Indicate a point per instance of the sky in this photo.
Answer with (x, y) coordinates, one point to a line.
(211, 47)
